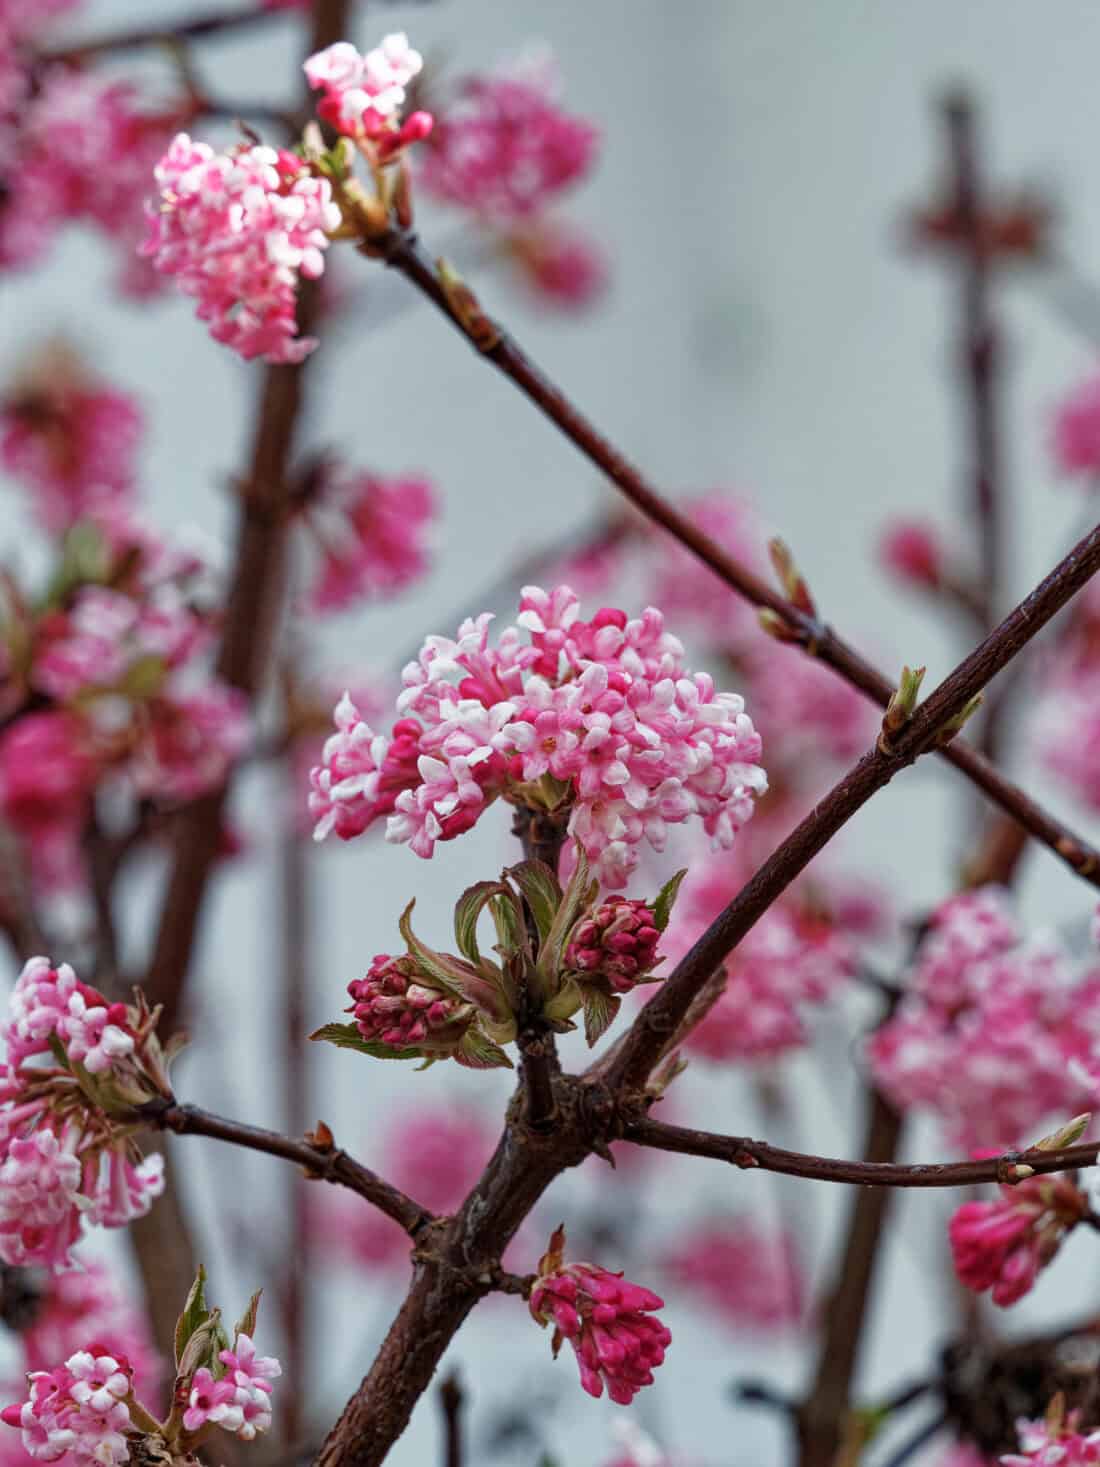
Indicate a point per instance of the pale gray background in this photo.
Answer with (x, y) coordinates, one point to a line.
(763, 331)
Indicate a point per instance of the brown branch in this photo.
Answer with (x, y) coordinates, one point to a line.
(402, 252)
(328, 1163)
(662, 1016)
(744, 1152)
(542, 836)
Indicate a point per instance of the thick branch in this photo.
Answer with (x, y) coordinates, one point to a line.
(542, 835)
(744, 1152)
(663, 1014)
(404, 254)
(330, 1164)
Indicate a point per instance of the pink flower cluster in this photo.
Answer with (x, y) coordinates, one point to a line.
(372, 533)
(392, 1008)
(749, 1276)
(73, 443)
(600, 715)
(995, 1034)
(1054, 1443)
(1066, 731)
(61, 1160)
(238, 1401)
(238, 230)
(504, 148)
(619, 940)
(80, 150)
(1002, 1245)
(78, 1410)
(609, 1322)
(1076, 430)
(362, 95)
(436, 1154)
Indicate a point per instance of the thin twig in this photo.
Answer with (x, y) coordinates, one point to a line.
(330, 1164)
(403, 253)
(744, 1152)
(452, 1398)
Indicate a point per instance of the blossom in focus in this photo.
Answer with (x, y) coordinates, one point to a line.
(63, 1161)
(362, 95)
(87, 1303)
(77, 1410)
(71, 440)
(505, 147)
(912, 551)
(996, 1032)
(1002, 1245)
(238, 231)
(618, 939)
(373, 534)
(398, 1005)
(598, 716)
(748, 1276)
(1076, 430)
(610, 1322)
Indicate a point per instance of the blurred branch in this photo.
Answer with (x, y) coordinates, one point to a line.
(452, 1398)
(403, 253)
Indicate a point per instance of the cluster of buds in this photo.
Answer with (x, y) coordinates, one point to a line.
(1003, 1245)
(67, 1126)
(560, 951)
(609, 1322)
(86, 1408)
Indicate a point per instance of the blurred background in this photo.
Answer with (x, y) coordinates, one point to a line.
(767, 327)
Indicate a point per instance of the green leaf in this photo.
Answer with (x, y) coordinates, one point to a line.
(666, 897)
(194, 1313)
(600, 1009)
(478, 1052)
(509, 923)
(347, 1036)
(246, 1325)
(468, 910)
(541, 890)
(445, 971)
(577, 896)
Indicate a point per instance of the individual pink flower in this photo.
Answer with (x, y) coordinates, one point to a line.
(747, 1275)
(604, 709)
(1002, 1245)
(73, 442)
(618, 940)
(610, 1322)
(373, 536)
(911, 551)
(1076, 430)
(505, 147)
(362, 95)
(212, 1402)
(238, 230)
